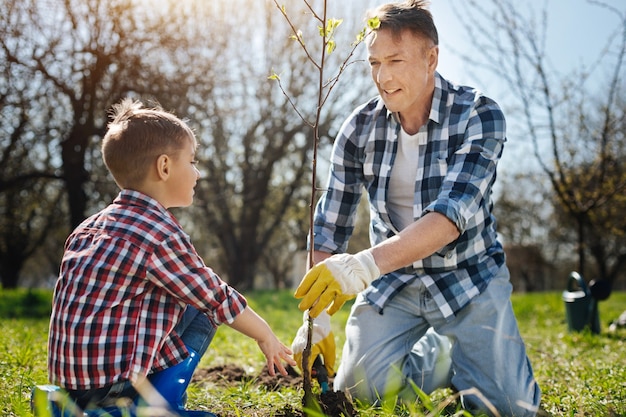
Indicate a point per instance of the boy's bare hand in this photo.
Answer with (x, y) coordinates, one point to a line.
(276, 353)
(252, 325)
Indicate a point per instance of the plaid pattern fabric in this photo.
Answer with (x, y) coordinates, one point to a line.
(126, 276)
(456, 172)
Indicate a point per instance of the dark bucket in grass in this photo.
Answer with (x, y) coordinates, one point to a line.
(581, 308)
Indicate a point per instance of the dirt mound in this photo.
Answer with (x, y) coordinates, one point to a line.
(336, 404)
(231, 374)
(221, 375)
(332, 403)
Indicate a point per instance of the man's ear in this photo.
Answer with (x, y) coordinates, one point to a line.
(433, 58)
(163, 165)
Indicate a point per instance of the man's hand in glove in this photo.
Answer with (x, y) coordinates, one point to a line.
(323, 343)
(336, 280)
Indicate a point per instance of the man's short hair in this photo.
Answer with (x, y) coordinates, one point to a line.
(412, 15)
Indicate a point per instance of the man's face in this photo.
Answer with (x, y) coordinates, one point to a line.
(403, 69)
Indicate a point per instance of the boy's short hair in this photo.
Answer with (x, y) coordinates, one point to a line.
(137, 136)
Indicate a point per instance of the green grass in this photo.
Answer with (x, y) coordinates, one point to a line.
(25, 303)
(581, 374)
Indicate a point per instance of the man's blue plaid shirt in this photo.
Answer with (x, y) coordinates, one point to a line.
(456, 172)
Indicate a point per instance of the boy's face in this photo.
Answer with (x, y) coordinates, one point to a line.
(183, 177)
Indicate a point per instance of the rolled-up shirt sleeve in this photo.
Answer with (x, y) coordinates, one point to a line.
(179, 270)
(471, 169)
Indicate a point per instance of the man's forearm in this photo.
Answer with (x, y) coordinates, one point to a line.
(318, 256)
(418, 241)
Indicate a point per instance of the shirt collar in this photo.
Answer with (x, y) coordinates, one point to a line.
(137, 198)
(437, 106)
(440, 98)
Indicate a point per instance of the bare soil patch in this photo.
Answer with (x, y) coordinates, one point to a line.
(334, 404)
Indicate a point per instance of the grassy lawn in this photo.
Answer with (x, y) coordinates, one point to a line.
(580, 374)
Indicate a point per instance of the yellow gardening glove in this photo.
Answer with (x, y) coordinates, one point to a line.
(323, 343)
(336, 280)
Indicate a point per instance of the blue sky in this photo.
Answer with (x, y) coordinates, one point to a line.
(577, 30)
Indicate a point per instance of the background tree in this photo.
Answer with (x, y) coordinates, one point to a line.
(64, 63)
(29, 208)
(78, 57)
(254, 150)
(576, 134)
(524, 221)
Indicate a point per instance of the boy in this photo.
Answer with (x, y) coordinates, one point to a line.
(135, 307)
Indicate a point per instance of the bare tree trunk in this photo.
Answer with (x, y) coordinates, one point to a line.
(581, 247)
(74, 174)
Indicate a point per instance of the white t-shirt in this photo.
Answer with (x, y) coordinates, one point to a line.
(403, 175)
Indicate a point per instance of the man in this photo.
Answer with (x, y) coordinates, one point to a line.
(433, 293)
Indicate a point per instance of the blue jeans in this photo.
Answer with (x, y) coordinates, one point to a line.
(385, 353)
(194, 328)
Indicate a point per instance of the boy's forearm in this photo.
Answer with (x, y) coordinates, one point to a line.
(251, 324)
